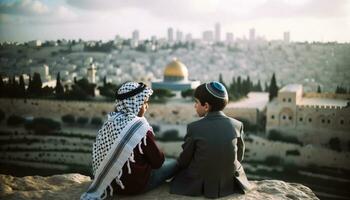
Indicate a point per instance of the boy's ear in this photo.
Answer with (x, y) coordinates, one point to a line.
(206, 107)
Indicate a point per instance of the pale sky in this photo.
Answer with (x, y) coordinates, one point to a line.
(306, 20)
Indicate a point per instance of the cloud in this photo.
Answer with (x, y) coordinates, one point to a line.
(303, 8)
(24, 7)
(194, 10)
(35, 12)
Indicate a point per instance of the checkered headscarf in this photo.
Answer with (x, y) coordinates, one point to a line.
(125, 111)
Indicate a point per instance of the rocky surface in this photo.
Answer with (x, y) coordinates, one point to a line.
(71, 186)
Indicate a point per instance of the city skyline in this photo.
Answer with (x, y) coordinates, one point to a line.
(305, 20)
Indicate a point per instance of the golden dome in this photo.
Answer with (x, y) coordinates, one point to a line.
(176, 68)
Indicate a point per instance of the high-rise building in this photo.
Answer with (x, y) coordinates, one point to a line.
(208, 36)
(217, 32)
(188, 37)
(286, 37)
(229, 38)
(170, 34)
(252, 34)
(179, 35)
(135, 35)
(153, 38)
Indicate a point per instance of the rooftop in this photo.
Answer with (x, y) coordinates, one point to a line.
(291, 88)
(257, 100)
(323, 102)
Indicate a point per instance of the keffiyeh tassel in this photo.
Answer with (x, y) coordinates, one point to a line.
(128, 165)
(131, 158)
(118, 181)
(140, 149)
(144, 140)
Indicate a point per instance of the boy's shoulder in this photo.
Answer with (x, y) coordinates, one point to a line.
(236, 123)
(196, 123)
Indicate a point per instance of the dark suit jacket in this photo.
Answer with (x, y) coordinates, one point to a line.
(210, 161)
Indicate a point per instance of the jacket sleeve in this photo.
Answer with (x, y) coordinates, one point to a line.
(240, 145)
(154, 156)
(188, 148)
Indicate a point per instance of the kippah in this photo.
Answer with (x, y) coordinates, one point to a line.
(217, 89)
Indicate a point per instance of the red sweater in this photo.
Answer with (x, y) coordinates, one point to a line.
(152, 158)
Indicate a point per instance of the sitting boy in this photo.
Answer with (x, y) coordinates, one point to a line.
(213, 149)
(125, 157)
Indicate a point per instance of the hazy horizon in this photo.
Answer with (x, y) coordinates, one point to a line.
(306, 20)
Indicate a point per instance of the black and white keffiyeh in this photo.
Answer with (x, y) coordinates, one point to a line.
(116, 140)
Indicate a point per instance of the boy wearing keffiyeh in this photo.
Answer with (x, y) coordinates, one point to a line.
(125, 156)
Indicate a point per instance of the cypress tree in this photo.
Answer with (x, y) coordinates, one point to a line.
(258, 86)
(273, 89)
(249, 85)
(239, 86)
(104, 81)
(318, 89)
(2, 87)
(29, 88)
(266, 87)
(233, 89)
(59, 88)
(14, 88)
(22, 87)
(221, 80)
(37, 85)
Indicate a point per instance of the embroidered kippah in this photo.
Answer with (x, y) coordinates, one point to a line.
(217, 89)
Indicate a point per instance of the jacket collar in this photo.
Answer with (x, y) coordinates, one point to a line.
(215, 114)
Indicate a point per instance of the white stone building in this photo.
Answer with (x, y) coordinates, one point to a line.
(43, 70)
(311, 117)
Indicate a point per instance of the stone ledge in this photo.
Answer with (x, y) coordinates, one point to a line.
(71, 186)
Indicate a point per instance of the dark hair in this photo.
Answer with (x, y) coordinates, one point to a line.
(202, 94)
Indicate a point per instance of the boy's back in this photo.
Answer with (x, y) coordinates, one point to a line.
(210, 160)
(209, 154)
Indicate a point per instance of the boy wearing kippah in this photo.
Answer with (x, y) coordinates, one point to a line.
(213, 149)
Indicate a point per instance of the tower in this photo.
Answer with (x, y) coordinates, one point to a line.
(229, 38)
(170, 34)
(91, 73)
(136, 35)
(217, 32)
(286, 37)
(252, 34)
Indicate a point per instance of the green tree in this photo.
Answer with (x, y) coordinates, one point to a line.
(273, 89)
(36, 85)
(96, 121)
(334, 143)
(2, 87)
(82, 120)
(187, 93)
(2, 115)
(59, 91)
(266, 89)
(15, 120)
(22, 87)
(81, 90)
(239, 85)
(318, 89)
(340, 90)
(221, 80)
(258, 87)
(108, 89)
(43, 125)
(68, 119)
(161, 95)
